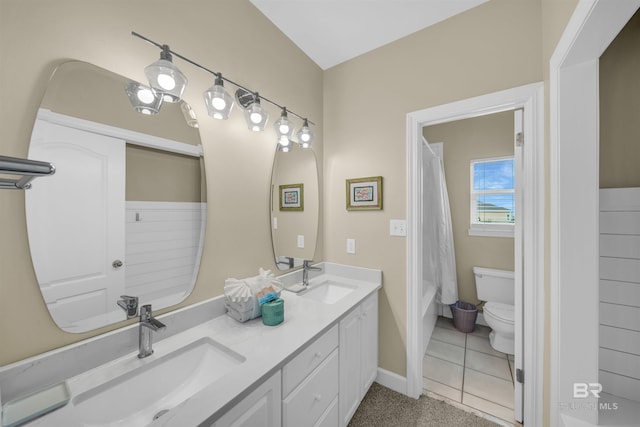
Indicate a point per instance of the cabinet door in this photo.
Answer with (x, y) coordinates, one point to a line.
(262, 408)
(350, 383)
(369, 337)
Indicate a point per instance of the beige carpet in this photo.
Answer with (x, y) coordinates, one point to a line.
(382, 407)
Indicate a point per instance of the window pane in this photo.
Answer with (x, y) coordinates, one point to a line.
(493, 175)
(495, 208)
(493, 192)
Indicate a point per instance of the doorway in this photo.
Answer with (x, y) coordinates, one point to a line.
(481, 159)
(574, 160)
(529, 99)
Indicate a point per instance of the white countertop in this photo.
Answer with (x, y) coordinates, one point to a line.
(266, 348)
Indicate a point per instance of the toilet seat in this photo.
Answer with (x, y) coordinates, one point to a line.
(502, 312)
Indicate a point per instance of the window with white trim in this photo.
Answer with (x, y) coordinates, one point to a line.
(492, 197)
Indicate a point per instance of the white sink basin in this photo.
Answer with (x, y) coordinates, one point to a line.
(156, 386)
(328, 292)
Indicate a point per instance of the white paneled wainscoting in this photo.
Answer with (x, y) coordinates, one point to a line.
(619, 355)
(163, 245)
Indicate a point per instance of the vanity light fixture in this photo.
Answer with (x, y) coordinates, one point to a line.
(143, 98)
(305, 135)
(283, 148)
(255, 115)
(218, 101)
(284, 127)
(165, 77)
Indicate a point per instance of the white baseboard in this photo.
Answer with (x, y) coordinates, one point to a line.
(392, 380)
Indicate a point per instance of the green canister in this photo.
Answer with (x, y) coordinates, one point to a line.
(273, 312)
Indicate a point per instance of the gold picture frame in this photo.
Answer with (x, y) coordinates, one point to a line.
(364, 193)
(292, 197)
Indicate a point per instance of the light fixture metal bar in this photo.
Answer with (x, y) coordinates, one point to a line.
(217, 74)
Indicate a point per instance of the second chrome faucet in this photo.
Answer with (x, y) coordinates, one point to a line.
(148, 324)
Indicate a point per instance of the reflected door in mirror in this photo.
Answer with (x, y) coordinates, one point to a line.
(76, 223)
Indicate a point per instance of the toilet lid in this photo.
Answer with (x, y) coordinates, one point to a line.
(504, 312)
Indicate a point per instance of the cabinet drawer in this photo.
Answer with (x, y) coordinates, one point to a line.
(310, 358)
(331, 417)
(308, 402)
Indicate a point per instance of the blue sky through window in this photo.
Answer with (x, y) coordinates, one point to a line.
(493, 175)
(493, 191)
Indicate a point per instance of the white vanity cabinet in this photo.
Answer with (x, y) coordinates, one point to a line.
(358, 355)
(310, 384)
(261, 408)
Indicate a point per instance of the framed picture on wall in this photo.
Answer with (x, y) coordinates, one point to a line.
(364, 193)
(292, 197)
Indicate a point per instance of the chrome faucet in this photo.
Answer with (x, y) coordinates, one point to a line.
(147, 324)
(305, 271)
(129, 305)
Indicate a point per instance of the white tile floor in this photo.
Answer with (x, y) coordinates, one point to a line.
(464, 368)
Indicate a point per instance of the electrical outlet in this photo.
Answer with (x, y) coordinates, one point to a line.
(351, 246)
(398, 227)
(300, 241)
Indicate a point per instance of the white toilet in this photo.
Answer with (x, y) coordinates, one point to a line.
(496, 287)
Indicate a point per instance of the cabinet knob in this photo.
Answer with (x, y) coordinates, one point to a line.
(318, 397)
(318, 354)
(117, 263)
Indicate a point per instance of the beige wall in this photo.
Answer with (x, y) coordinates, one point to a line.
(492, 47)
(619, 106)
(160, 176)
(463, 141)
(228, 36)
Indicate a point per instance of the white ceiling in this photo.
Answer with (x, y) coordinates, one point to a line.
(334, 31)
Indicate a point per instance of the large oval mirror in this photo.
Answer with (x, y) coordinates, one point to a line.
(125, 212)
(294, 206)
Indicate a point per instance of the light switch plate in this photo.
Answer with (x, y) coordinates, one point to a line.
(300, 241)
(398, 227)
(351, 246)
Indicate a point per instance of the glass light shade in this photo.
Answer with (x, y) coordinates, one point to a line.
(284, 141)
(218, 101)
(305, 135)
(143, 99)
(284, 149)
(256, 116)
(284, 126)
(166, 79)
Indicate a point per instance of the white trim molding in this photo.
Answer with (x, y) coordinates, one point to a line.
(131, 137)
(530, 98)
(574, 205)
(392, 380)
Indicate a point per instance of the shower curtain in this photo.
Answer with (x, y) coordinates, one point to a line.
(439, 266)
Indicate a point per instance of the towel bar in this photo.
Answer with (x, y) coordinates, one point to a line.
(27, 169)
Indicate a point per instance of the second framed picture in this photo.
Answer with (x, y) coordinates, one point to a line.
(292, 197)
(364, 193)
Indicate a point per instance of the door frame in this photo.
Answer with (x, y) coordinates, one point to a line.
(530, 98)
(574, 204)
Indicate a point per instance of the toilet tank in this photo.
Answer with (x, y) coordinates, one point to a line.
(494, 285)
